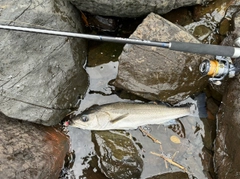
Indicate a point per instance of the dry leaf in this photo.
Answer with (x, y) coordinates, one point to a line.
(175, 139)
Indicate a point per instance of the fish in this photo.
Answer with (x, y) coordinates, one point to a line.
(126, 116)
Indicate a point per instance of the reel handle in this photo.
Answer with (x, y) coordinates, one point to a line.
(216, 50)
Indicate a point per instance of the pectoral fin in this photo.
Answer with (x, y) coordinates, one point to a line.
(119, 118)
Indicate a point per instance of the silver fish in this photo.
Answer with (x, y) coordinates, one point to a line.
(124, 116)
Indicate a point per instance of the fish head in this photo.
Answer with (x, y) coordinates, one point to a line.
(84, 121)
(91, 121)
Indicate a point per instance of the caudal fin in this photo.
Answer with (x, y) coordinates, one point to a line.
(197, 105)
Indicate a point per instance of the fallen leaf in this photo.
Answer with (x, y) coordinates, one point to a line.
(175, 139)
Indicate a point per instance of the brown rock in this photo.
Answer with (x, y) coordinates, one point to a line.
(30, 151)
(156, 73)
(228, 139)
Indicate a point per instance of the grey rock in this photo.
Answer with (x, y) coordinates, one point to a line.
(156, 73)
(131, 8)
(29, 150)
(40, 75)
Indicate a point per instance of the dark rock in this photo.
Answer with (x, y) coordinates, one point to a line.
(118, 157)
(100, 23)
(207, 160)
(207, 26)
(181, 16)
(29, 150)
(229, 41)
(216, 9)
(201, 32)
(156, 73)
(227, 144)
(175, 175)
(40, 75)
(212, 106)
(224, 27)
(131, 8)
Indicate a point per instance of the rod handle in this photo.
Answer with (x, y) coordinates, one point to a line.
(216, 50)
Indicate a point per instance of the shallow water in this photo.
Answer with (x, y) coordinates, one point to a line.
(190, 138)
(188, 131)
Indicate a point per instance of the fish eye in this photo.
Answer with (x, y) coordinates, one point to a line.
(84, 118)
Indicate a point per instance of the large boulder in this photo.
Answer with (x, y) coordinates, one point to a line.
(29, 150)
(40, 75)
(156, 73)
(227, 144)
(131, 8)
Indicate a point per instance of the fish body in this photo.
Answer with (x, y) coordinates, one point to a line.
(124, 116)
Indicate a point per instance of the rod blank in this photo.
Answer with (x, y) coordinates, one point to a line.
(87, 36)
(217, 50)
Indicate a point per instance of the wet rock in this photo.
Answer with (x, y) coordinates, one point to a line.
(237, 22)
(118, 157)
(181, 16)
(227, 141)
(212, 106)
(29, 150)
(227, 144)
(229, 41)
(131, 8)
(41, 75)
(215, 9)
(201, 32)
(175, 175)
(224, 27)
(156, 73)
(207, 160)
(207, 21)
(100, 23)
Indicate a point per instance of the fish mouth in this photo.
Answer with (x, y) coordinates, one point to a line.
(66, 123)
(74, 123)
(79, 124)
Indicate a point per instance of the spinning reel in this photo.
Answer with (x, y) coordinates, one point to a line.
(219, 68)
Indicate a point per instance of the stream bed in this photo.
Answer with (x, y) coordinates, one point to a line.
(184, 148)
(183, 138)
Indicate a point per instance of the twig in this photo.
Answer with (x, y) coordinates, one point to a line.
(169, 160)
(151, 137)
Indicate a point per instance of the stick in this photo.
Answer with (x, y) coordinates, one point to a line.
(151, 137)
(169, 160)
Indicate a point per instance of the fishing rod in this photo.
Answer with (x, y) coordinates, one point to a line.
(172, 45)
(205, 67)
